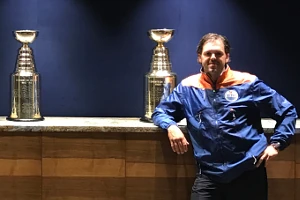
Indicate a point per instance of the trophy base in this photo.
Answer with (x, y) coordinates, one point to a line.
(146, 119)
(25, 120)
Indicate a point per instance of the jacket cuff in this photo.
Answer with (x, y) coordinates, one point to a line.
(165, 125)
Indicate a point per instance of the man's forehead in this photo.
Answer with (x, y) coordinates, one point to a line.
(212, 45)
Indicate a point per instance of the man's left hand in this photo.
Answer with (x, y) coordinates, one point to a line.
(269, 152)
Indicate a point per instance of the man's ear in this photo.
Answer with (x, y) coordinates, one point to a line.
(227, 58)
(199, 58)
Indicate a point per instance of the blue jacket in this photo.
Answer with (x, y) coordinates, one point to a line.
(224, 120)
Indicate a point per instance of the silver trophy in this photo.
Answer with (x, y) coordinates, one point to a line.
(25, 82)
(160, 80)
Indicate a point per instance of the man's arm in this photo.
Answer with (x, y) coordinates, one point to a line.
(166, 115)
(279, 109)
(169, 111)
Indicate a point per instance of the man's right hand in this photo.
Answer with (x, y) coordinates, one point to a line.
(178, 142)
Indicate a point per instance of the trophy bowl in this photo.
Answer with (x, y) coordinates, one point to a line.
(161, 35)
(25, 36)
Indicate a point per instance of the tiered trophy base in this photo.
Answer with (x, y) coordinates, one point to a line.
(25, 120)
(146, 119)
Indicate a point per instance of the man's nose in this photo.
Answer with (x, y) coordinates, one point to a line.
(213, 56)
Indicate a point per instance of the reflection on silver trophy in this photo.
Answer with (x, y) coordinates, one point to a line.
(25, 84)
(160, 80)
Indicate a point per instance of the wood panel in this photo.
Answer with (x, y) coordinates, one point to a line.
(297, 149)
(282, 172)
(282, 189)
(117, 166)
(20, 161)
(297, 188)
(281, 169)
(83, 166)
(82, 188)
(151, 167)
(297, 167)
(20, 187)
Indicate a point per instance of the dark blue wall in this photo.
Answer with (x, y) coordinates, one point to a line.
(92, 57)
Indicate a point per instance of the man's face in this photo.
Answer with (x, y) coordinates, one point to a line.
(213, 58)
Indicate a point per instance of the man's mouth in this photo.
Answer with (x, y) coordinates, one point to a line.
(212, 64)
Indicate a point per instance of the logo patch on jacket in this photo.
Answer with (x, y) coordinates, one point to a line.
(231, 95)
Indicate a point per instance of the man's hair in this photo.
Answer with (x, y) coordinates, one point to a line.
(212, 37)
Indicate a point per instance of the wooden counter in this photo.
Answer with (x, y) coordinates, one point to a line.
(77, 158)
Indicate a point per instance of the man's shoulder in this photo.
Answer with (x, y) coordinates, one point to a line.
(243, 76)
(192, 80)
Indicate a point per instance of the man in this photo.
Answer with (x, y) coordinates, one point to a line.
(223, 111)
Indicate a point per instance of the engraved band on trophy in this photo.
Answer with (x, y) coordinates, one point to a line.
(160, 80)
(25, 81)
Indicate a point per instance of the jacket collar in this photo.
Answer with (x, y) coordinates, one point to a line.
(204, 77)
